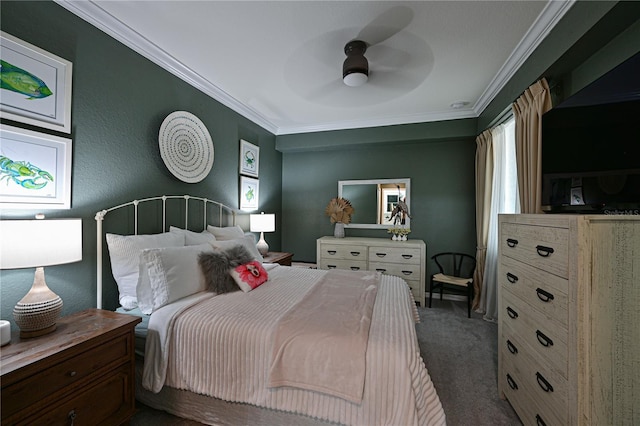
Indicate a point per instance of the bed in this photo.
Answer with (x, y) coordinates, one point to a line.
(301, 347)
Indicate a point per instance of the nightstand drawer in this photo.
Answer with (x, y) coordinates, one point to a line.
(102, 404)
(66, 373)
(394, 255)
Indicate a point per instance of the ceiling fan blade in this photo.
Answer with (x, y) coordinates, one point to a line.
(386, 25)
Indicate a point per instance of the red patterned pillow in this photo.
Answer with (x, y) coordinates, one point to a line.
(250, 275)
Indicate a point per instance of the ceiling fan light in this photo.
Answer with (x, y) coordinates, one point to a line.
(355, 79)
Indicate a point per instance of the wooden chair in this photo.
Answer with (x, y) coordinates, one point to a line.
(456, 273)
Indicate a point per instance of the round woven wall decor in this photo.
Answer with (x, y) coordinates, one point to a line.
(186, 146)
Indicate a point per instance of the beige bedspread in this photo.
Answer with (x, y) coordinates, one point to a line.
(321, 343)
(221, 347)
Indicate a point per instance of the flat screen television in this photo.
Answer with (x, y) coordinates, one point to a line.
(591, 158)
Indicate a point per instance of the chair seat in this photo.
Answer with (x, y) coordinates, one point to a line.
(448, 279)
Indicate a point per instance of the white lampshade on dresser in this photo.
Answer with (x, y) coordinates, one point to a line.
(36, 244)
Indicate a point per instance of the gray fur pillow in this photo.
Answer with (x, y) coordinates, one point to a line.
(216, 265)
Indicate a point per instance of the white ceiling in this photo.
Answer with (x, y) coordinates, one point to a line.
(279, 63)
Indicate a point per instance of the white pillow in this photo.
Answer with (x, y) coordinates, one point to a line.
(192, 238)
(169, 274)
(124, 251)
(248, 241)
(226, 233)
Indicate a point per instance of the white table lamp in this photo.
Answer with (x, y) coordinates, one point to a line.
(35, 244)
(262, 223)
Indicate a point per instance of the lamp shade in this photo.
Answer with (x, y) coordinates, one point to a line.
(262, 222)
(36, 243)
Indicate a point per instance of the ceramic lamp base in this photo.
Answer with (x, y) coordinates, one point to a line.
(262, 246)
(36, 314)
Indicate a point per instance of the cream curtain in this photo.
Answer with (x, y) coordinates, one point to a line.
(484, 175)
(528, 110)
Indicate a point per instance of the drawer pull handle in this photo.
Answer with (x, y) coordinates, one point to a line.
(512, 383)
(512, 348)
(355, 253)
(546, 386)
(543, 339)
(331, 266)
(407, 256)
(407, 272)
(513, 314)
(511, 242)
(381, 270)
(355, 268)
(511, 278)
(72, 417)
(539, 421)
(543, 295)
(381, 254)
(331, 252)
(544, 251)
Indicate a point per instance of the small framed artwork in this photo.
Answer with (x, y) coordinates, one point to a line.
(249, 158)
(36, 85)
(249, 192)
(35, 170)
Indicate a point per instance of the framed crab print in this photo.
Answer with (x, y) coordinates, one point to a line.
(36, 85)
(249, 158)
(248, 193)
(35, 170)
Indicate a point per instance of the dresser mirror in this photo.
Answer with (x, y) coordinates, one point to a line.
(374, 200)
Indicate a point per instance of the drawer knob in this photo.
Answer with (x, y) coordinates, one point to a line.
(513, 314)
(539, 421)
(543, 295)
(355, 268)
(331, 252)
(381, 254)
(512, 383)
(543, 383)
(381, 270)
(511, 242)
(355, 253)
(512, 348)
(72, 373)
(407, 272)
(512, 278)
(543, 339)
(544, 251)
(407, 256)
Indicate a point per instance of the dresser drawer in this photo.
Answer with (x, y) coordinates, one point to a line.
(354, 265)
(55, 379)
(343, 251)
(540, 246)
(108, 402)
(405, 255)
(543, 291)
(546, 339)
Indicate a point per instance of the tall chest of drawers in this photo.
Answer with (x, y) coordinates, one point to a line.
(405, 259)
(569, 318)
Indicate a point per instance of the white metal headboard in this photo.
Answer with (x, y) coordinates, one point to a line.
(222, 209)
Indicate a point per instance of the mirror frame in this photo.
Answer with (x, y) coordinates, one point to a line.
(407, 183)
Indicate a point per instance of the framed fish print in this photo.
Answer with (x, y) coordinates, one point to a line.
(35, 170)
(35, 85)
(249, 158)
(248, 193)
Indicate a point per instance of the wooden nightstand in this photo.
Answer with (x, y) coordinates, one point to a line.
(83, 371)
(278, 257)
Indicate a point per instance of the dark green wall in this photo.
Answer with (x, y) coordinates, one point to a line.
(119, 102)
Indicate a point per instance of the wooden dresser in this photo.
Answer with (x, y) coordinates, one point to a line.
(405, 259)
(569, 322)
(82, 373)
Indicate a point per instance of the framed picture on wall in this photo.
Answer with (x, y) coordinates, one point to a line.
(249, 158)
(249, 193)
(36, 85)
(35, 170)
